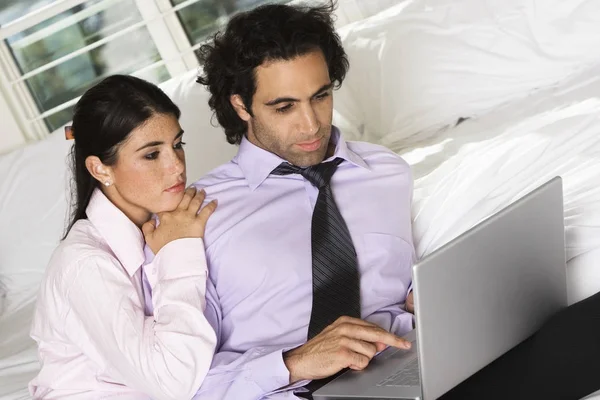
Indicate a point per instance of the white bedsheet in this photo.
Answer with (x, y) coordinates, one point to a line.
(480, 166)
(18, 353)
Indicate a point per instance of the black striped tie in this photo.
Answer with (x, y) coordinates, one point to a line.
(336, 284)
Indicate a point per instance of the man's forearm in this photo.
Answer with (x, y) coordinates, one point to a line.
(248, 376)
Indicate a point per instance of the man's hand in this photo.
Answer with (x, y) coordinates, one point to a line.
(347, 343)
(410, 304)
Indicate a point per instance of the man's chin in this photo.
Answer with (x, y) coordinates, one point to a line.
(306, 159)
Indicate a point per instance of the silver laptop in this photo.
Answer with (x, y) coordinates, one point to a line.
(475, 298)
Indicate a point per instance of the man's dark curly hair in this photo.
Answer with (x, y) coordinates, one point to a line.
(266, 33)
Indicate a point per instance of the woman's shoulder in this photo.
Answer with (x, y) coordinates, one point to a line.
(79, 263)
(83, 238)
(83, 246)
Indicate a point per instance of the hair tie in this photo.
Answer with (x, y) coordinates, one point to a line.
(69, 133)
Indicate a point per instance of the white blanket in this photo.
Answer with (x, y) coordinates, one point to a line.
(480, 166)
(18, 353)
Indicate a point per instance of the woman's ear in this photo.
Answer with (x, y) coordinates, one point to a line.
(240, 108)
(99, 171)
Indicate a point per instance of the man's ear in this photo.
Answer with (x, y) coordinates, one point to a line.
(99, 171)
(240, 108)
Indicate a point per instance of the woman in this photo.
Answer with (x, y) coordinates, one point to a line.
(108, 322)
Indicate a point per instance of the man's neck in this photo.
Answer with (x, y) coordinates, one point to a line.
(330, 149)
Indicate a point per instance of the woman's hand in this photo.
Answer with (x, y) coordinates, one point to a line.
(183, 222)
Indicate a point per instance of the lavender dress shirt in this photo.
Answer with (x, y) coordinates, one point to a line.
(259, 293)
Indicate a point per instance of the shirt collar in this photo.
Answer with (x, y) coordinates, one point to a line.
(123, 237)
(257, 164)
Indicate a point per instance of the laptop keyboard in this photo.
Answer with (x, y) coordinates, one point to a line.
(407, 376)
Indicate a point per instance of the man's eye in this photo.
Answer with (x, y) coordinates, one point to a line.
(284, 108)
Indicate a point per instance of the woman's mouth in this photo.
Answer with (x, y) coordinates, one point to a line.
(180, 187)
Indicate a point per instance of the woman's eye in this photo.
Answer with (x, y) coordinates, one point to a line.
(179, 146)
(151, 156)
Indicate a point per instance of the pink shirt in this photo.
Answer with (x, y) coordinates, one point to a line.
(94, 338)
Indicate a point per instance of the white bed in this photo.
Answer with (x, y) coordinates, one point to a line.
(475, 169)
(525, 75)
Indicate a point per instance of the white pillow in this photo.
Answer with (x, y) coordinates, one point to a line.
(420, 66)
(207, 146)
(3, 295)
(32, 214)
(348, 11)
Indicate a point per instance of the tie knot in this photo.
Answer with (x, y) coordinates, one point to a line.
(319, 175)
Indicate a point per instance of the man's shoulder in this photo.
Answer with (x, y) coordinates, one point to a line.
(376, 156)
(228, 173)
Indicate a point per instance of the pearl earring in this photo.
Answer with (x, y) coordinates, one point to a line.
(107, 183)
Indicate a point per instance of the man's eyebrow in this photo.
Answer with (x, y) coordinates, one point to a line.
(322, 89)
(280, 100)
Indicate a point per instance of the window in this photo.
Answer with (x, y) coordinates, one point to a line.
(53, 51)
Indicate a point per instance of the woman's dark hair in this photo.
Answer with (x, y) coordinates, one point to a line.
(103, 119)
(266, 33)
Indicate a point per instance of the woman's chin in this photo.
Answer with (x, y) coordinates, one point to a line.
(171, 202)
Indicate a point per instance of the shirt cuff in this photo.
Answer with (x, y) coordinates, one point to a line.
(181, 258)
(269, 372)
(403, 324)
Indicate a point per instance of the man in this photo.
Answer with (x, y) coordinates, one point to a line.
(310, 253)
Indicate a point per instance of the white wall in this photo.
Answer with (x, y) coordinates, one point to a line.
(10, 133)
